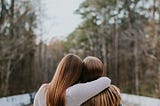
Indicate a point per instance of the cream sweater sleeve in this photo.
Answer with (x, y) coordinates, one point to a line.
(79, 93)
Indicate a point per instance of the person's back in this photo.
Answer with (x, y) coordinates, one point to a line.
(108, 97)
(64, 89)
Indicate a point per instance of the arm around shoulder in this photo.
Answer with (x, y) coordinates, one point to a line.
(84, 91)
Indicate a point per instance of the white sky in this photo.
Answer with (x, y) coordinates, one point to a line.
(59, 18)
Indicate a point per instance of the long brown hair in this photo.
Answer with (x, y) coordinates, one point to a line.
(109, 97)
(67, 74)
(92, 69)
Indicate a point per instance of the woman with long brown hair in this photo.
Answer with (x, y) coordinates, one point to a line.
(63, 89)
(110, 96)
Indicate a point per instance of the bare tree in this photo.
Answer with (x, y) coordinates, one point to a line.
(16, 38)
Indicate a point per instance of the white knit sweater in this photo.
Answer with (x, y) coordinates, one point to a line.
(76, 94)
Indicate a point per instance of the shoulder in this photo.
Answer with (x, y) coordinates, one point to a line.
(39, 99)
(42, 88)
(41, 91)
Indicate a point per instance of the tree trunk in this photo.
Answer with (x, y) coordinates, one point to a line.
(5, 79)
(104, 55)
(116, 53)
(136, 65)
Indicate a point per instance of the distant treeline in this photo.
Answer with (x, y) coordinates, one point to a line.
(124, 34)
(24, 65)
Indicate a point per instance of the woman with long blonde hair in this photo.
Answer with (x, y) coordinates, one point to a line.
(63, 89)
(110, 96)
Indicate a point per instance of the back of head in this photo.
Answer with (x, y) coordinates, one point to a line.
(67, 73)
(92, 69)
(68, 70)
(109, 97)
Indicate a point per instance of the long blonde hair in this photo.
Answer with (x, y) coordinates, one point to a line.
(67, 74)
(109, 97)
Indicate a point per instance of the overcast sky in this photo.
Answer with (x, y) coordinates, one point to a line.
(59, 18)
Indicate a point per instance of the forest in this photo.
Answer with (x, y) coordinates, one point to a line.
(124, 34)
